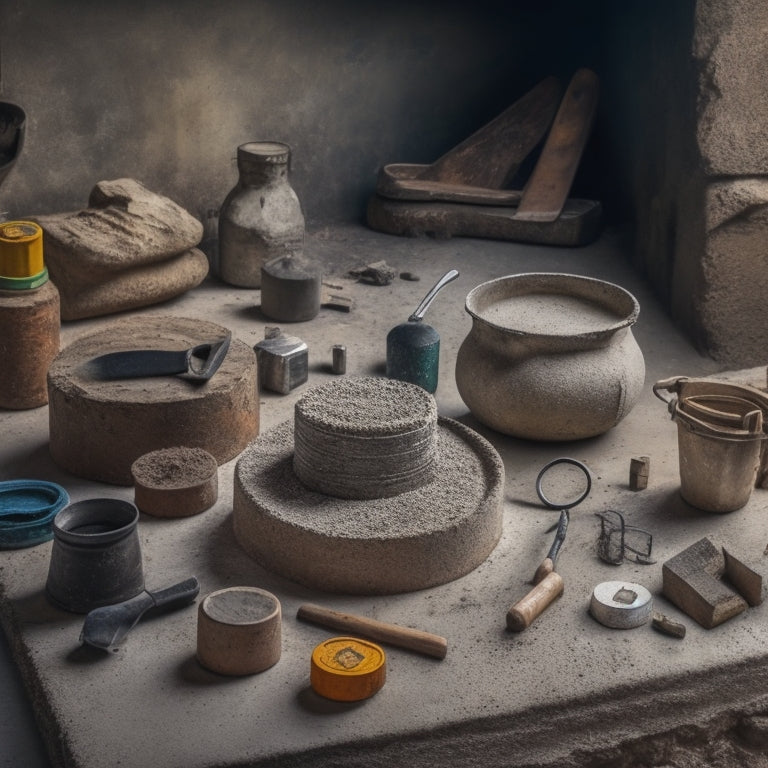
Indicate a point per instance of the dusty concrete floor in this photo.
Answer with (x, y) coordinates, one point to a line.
(567, 691)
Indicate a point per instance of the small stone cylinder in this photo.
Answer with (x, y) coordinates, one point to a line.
(290, 289)
(239, 631)
(339, 364)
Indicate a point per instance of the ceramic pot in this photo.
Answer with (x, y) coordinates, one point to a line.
(550, 356)
(261, 217)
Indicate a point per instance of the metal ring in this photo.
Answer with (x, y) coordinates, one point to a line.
(549, 466)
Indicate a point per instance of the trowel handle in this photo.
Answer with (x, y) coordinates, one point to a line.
(379, 631)
(429, 298)
(523, 613)
(179, 594)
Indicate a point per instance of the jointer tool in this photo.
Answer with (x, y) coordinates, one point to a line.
(379, 631)
(548, 584)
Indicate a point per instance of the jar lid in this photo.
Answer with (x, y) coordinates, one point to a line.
(21, 252)
(347, 669)
(266, 151)
(24, 283)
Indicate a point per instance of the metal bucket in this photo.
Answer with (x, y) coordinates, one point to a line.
(718, 465)
(721, 439)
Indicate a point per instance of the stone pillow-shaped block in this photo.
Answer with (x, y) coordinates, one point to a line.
(130, 248)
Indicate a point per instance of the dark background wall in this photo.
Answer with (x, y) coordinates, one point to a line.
(164, 91)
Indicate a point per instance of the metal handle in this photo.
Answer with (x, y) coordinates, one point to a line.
(429, 298)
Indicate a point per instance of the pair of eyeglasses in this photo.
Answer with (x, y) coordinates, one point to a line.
(618, 541)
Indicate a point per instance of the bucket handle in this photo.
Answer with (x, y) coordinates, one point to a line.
(671, 385)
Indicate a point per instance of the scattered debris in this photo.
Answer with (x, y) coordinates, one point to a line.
(412, 276)
(378, 273)
(667, 626)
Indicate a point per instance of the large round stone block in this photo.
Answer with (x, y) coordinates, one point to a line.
(99, 428)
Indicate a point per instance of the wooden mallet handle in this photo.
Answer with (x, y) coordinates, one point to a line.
(523, 612)
(392, 634)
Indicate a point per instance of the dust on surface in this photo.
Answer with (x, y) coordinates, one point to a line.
(179, 467)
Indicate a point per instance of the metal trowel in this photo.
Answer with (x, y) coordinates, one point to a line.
(198, 363)
(413, 348)
(105, 627)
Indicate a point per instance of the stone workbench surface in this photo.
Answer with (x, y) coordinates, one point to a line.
(559, 693)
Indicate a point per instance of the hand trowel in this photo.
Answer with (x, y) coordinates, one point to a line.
(105, 627)
(197, 363)
(413, 348)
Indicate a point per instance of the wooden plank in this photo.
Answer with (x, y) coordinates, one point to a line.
(401, 181)
(550, 182)
(578, 225)
(491, 156)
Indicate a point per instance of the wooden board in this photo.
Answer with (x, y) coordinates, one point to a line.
(401, 181)
(579, 223)
(492, 155)
(550, 183)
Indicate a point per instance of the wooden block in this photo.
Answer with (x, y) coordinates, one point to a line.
(639, 469)
(748, 583)
(692, 581)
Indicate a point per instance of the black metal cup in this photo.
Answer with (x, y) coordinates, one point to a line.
(96, 555)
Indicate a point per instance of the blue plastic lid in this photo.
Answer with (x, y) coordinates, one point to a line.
(27, 509)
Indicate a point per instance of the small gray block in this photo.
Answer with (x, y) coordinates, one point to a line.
(283, 363)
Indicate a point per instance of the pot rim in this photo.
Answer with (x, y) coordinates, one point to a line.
(554, 279)
(121, 514)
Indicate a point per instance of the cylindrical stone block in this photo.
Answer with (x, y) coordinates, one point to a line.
(290, 289)
(99, 428)
(239, 631)
(29, 329)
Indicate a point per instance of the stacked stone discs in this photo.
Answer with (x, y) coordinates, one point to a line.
(365, 438)
(368, 491)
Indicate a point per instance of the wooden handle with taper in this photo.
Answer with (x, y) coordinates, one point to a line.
(392, 634)
(523, 612)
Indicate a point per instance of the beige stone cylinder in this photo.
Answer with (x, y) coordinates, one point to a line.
(29, 333)
(239, 631)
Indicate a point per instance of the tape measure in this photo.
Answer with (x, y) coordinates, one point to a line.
(621, 604)
(347, 669)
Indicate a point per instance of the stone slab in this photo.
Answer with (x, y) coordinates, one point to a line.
(557, 694)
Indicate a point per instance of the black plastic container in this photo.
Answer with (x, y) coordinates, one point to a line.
(96, 555)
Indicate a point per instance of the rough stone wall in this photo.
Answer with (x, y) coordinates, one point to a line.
(731, 47)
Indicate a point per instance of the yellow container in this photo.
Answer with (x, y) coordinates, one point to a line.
(21, 249)
(347, 669)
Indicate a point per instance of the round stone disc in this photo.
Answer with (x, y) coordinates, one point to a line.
(99, 428)
(418, 539)
(621, 604)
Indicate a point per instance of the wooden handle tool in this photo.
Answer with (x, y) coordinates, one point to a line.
(548, 585)
(392, 634)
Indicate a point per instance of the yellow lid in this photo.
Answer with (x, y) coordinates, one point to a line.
(21, 249)
(347, 669)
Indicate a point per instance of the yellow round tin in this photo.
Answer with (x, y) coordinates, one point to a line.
(347, 669)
